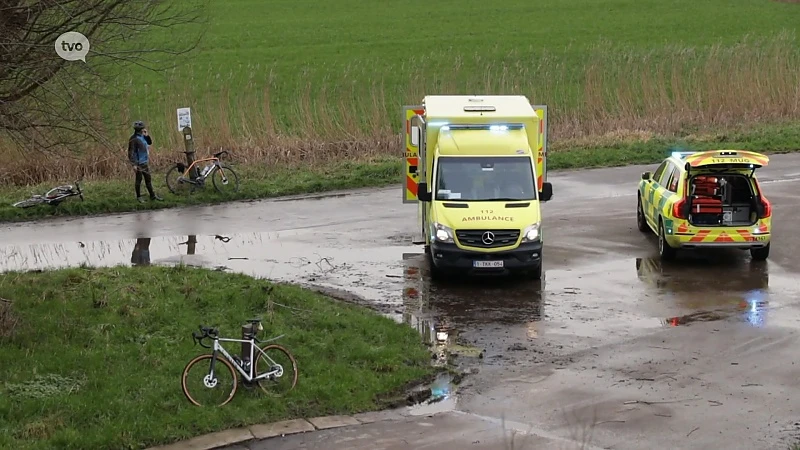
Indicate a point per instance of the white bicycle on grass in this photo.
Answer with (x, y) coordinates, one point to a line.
(53, 197)
(203, 374)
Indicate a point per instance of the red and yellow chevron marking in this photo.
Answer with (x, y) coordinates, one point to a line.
(682, 228)
(722, 235)
(705, 158)
(412, 113)
(540, 153)
(411, 184)
(412, 158)
(700, 236)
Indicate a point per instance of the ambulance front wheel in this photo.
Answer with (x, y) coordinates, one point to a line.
(536, 274)
(436, 273)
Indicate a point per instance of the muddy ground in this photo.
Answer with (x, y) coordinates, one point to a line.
(613, 349)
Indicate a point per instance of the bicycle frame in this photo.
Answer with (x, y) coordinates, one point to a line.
(217, 347)
(54, 196)
(193, 166)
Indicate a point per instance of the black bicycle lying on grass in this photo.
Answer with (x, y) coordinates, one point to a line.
(53, 197)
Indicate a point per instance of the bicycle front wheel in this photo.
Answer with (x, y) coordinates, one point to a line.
(203, 389)
(280, 369)
(176, 184)
(225, 178)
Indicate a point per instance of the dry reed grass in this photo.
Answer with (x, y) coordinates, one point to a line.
(612, 95)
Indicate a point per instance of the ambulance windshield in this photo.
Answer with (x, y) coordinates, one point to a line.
(498, 178)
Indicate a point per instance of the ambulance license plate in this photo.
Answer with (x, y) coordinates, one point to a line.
(489, 264)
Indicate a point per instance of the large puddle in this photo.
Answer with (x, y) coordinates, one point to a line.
(593, 300)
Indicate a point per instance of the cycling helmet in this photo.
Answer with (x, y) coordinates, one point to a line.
(138, 125)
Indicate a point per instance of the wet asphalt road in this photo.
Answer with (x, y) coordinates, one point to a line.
(614, 347)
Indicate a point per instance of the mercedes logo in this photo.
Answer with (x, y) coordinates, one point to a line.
(488, 238)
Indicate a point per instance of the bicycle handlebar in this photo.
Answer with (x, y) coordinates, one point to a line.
(208, 332)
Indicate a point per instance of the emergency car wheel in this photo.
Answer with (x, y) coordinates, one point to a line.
(664, 250)
(759, 254)
(640, 220)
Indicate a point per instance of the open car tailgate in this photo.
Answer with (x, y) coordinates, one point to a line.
(727, 159)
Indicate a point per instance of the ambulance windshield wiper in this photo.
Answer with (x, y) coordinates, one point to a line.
(503, 199)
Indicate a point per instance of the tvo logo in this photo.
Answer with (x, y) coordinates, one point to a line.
(72, 46)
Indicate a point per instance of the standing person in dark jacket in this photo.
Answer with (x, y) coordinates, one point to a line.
(139, 156)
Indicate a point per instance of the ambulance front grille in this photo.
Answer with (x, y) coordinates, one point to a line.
(474, 238)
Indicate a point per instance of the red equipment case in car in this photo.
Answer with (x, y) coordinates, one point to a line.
(706, 186)
(706, 205)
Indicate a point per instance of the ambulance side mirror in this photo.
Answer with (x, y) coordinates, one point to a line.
(422, 192)
(646, 175)
(547, 192)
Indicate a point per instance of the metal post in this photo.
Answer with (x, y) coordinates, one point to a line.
(247, 333)
(188, 150)
(191, 243)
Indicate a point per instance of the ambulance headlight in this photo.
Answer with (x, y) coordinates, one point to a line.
(531, 233)
(441, 233)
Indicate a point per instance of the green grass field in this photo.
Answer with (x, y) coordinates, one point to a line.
(309, 85)
(292, 45)
(92, 358)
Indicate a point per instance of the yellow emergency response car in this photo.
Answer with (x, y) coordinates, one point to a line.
(706, 199)
(476, 166)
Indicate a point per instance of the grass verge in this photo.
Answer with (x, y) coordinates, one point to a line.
(92, 357)
(116, 196)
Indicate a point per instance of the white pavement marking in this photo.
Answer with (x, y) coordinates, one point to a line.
(781, 180)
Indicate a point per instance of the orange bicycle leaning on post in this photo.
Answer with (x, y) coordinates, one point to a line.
(182, 179)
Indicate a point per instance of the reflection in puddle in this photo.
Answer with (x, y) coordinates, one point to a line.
(140, 256)
(442, 397)
(463, 317)
(720, 289)
(443, 310)
(753, 312)
(359, 268)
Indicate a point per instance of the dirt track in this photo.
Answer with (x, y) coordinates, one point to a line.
(699, 354)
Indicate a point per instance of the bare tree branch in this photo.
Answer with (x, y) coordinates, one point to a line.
(43, 98)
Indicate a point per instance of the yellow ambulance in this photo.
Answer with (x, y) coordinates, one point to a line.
(476, 166)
